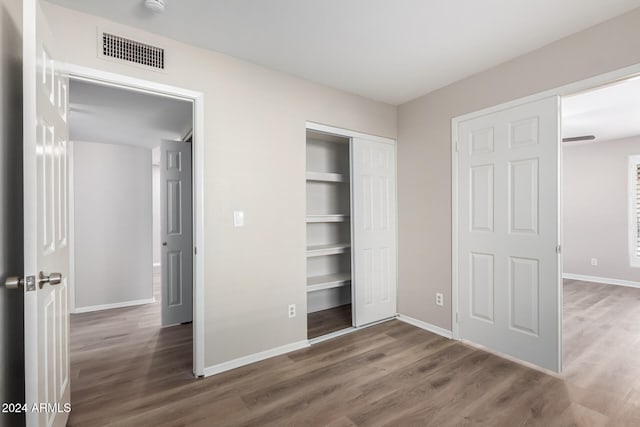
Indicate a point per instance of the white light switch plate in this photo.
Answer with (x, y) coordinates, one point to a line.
(238, 218)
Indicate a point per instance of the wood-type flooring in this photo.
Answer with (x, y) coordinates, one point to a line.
(126, 371)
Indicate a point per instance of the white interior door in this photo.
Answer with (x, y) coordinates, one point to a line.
(374, 230)
(46, 257)
(508, 232)
(176, 231)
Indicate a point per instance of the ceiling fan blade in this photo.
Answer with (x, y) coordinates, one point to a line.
(579, 138)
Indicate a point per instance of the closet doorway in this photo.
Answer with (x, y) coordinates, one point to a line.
(351, 230)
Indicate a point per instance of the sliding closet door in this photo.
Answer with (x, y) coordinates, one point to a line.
(374, 230)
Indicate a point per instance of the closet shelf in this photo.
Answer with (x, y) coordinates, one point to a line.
(327, 218)
(327, 177)
(330, 249)
(318, 283)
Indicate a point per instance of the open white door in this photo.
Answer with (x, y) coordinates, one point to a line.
(176, 220)
(508, 208)
(46, 257)
(374, 230)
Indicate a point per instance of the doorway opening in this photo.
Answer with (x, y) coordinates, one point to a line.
(601, 240)
(522, 290)
(131, 236)
(329, 260)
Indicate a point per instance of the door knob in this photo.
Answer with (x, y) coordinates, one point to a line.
(164, 243)
(13, 282)
(52, 279)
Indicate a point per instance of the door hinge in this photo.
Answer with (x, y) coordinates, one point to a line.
(457, 317)
(558, 249)
(195, 250)
(456, 146)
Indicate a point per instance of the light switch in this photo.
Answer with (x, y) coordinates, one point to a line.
(238, 218)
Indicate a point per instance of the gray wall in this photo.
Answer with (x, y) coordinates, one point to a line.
(113, 224)
(254, 160)
(596, 207)
(11, 225)
(424, 149)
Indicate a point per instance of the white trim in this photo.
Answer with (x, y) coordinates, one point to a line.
(632, 194)
(568, 89)
(426, 326)
(198, 234)
(101, 307)
(603, 280)
(455, 329)
(72, 228)
(611, 77)
(347, 331)
(332, 335)
(131, 83)
(318, 127)
(253, 358)
(107, 78)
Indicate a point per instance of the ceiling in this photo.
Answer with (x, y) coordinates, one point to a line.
(111, 115)
(391, 51)
(609, 112)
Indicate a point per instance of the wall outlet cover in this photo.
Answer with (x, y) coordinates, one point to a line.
(292, 311)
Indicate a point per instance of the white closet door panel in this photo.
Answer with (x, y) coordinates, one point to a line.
(509, 291)
(374, 230)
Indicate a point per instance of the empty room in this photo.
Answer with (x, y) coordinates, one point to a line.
(600, 152)
(316, 213)
(130, 207)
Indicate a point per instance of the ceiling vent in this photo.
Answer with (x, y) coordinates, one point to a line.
(132, 51)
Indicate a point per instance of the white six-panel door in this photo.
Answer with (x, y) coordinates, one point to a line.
(46, 191)
(508, 266)
(374, 230)
(176, 221)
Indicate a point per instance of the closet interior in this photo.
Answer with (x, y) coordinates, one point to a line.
(329, 263)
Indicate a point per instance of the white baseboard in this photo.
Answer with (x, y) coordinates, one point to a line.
(88, 309)
(426, 326)
(256, 357)
(603, 280)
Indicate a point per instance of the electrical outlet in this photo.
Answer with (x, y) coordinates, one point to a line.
(594, 261)
(439, 299)
(292, 311)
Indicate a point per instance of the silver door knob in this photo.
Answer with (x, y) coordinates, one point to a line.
(13, 282)
(52, 279)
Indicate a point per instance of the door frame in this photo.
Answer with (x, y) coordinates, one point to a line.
(351, 134)
(587, 84)
(120, 81)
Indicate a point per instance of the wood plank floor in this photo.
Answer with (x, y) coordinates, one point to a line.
(326, 321)
(393, 374)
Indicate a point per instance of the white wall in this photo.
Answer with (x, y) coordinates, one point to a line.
(11, 215)
(424, 149)
(112, 224)
(595, 208)
(254, 160)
